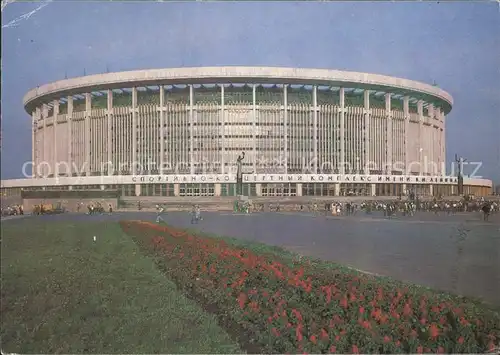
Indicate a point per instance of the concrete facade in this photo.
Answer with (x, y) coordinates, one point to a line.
(196, 121)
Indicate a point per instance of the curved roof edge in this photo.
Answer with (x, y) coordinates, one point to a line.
(236, 74)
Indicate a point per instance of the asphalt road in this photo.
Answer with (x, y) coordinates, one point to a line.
(420, 249)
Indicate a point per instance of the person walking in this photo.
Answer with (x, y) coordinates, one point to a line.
(194, 214)
(198, 214)
(159, 212)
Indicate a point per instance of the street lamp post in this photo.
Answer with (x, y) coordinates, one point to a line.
(460, 174)
(239, 174)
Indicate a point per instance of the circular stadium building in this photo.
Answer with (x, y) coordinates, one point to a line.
(179, 132)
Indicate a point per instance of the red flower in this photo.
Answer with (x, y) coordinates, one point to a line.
(355, 349)
(275, 332)
(461, 340)
(324, 334)
(242, 299)
(361, 310)
(333, 349)
(366, 324)
(298, 333)
(297, 314)
(387, 339)
(434, 330)
(491, 346)
(407, 310)
(420, 349)
(423, 321)
(376, 313)
(343, 302)
(440, 350)
(313, 339)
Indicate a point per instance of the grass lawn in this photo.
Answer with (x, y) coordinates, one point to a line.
(63, 293)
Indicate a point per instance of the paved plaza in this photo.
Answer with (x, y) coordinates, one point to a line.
(420, 249)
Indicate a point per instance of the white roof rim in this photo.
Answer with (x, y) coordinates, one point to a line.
(236, 74)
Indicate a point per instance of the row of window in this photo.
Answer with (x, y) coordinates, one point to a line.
(229, 189)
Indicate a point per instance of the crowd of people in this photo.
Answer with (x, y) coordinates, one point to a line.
(391, 208)
(14, 210)
(94, 208)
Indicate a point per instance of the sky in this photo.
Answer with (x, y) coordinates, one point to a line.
(456, 45)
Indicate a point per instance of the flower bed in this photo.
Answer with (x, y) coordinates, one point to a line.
(289, 306)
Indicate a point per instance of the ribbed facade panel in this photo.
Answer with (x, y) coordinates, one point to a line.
(203, 129)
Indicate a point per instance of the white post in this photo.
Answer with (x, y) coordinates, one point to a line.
(88, 111)
(342, 129)
(388, 116)
(315, 128)
(367, 113)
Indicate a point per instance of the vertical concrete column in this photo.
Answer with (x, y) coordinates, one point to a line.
(336, 189)
(138, 189)
(315, 128)
(432, 142)
(191, 129)
(69, 118)
(45, 115)
(88, 112)
(254, 111)
(388, 117)
(223, 126)
(373, 190)
(299, 189)
(342, 130)
(420, 111)
(258, 189)
(162, 129)
(40, 136)
(406, 112)
(134, 130)
(109, 116)
(217, 190)
(55, 115)
(285, 124)
(443, 143)
(177, 190)
(437, 145)
(368, 113)
(33, 144)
